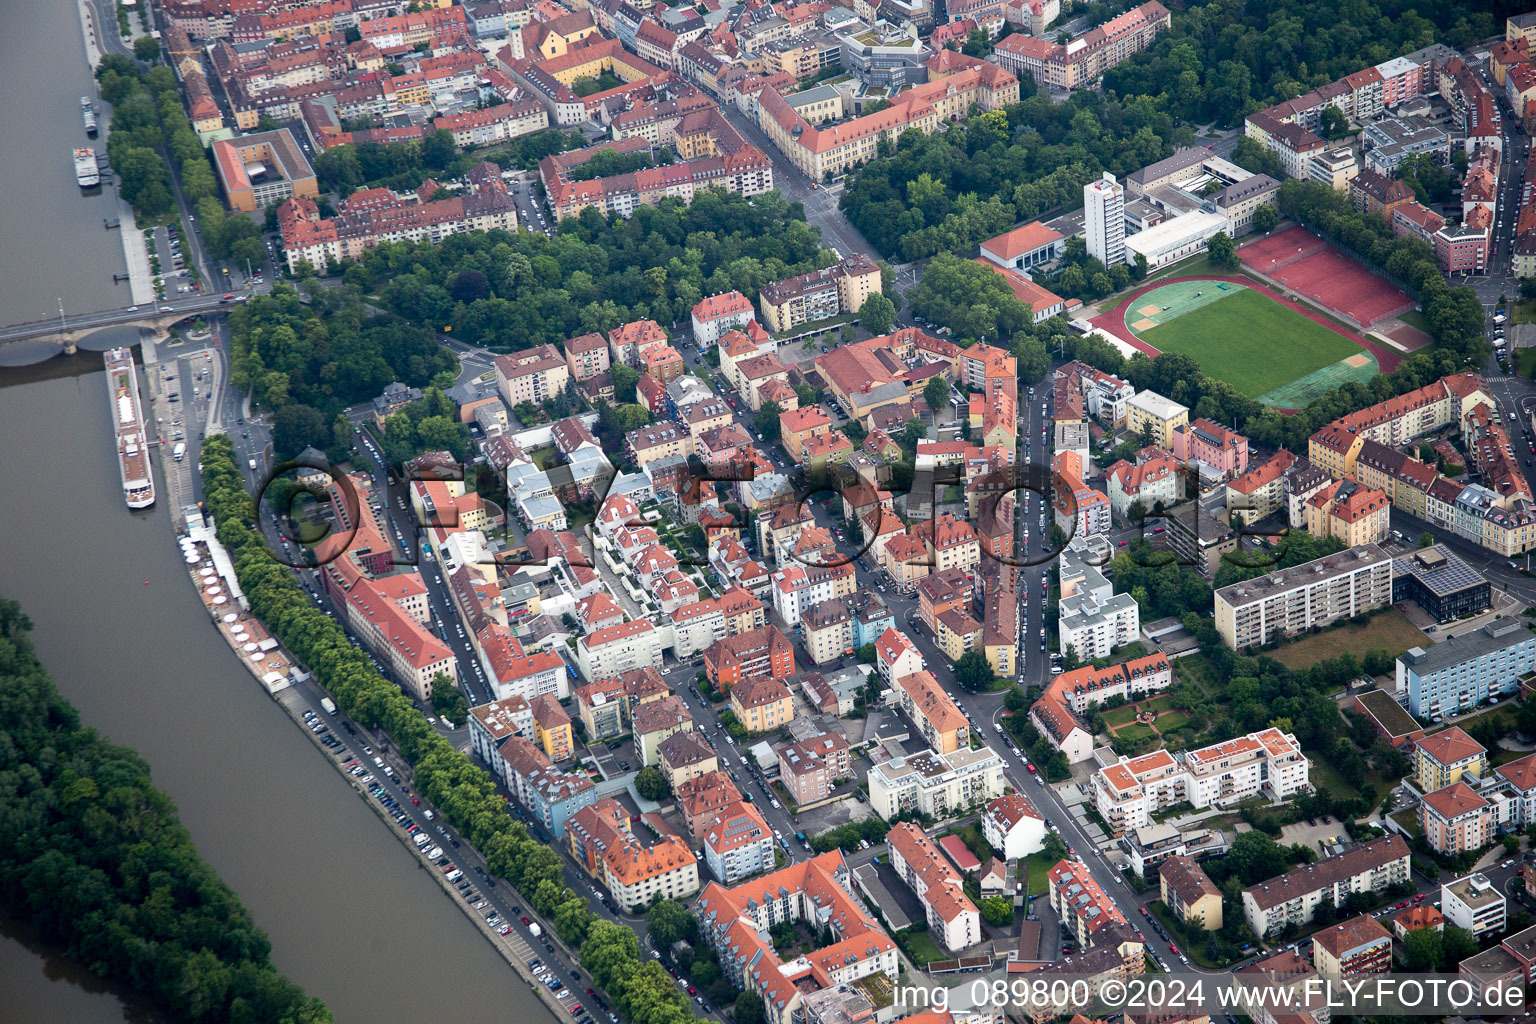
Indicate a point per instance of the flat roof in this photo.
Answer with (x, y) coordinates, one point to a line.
(1454, 650)
(1438, 569)
(1388, 713)
(1306, 574)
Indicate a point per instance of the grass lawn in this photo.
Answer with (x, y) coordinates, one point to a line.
(1525, 361)
(1413, 318)
(1251, 342)
(1037, 864)
(1523, 312)
(1158, 704)
(1135, 731)
(1171, 720)
(1389, 630)
(1120, 716)
(923, 948)
(1327, 779)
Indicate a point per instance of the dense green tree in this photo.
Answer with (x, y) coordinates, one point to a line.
(766, 420)
(877, 314)
(1222, 252)
(969, 298)
(651, 783)
(1265, 218)
(974, 672)
(668, 921)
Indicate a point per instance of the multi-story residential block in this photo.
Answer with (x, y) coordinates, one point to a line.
(1153, 482)
(762, 703)
(1129, 792)
(605, 704)
(1058, 712)
(1095, 629)
(1086, 58)
(809, 768)
(1350, 513)
(934, 784)
(952, 918)
(1079, 509)
(1261, 490)
(1442, 758)
(374, 216)
(1212, 448)
(1081, 903)
(654, 721)
(702, 799)
(1475, 904)
(1292, 601)
(1104, 210)
(736, 922)
(532, 375)
(1150, 412)
(939, 721)
(617, 649)
(1292, 898)
(1013, 827)
(821, 152)
(1466, 670)
(738, 843)
(757, 652)
(550, 793)
(841, 288)
(552, 727)
(1456, 820)
(1190, 894)
(1355, 948)
(718, 314)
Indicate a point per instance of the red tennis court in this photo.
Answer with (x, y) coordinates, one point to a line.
(1315, 270)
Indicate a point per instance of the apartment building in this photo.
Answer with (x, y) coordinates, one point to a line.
(1104, 212)
(1153, 482)
(1086, 58)
(1202, 443)
(1292, 898)
(260, 169)
(1150, 412)
(718, 314)
(736, 922)
(738, 843)
(374, 216)
(617, 649)
(533, 375)
(654, 722)
(1079, 509)
(822, 152)
(1292, 601)
(761, 703)
(934, 784)
(551, 794)
(1189, 893)
(1057, 713)
(1356, 948)
(1350, 513)
(1466, 670)
(1442, 758)
(491, 723)
(552, 727)
(938, 720)
(819, 294)
(952, 918)
(810, 767)
(605, 705)
(1261, 489)
(1012, 826)
(757, 652)
(1130, 791)
(1475, 904)
(1081, 903)
(1456, 820)
(1094, 629)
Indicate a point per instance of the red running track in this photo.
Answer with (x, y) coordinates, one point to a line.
(1114, 323)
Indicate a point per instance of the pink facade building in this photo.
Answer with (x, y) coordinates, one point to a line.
(1210, 444)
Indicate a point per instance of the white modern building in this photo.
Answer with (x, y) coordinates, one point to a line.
(1013, 827)
(1127, 793)
(1464, 671)
(1104, 218)
(1473, 903)
(1094, 628)
(1293, 897)
(1185, 235)
(934, 784)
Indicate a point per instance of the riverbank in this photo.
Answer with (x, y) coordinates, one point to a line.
(276, 670)
(141, 281)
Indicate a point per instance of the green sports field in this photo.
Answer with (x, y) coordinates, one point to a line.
(1260, 347)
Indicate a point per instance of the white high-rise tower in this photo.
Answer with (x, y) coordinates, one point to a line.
(1104, 209)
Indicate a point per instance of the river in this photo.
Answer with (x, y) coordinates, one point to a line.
(350, 917)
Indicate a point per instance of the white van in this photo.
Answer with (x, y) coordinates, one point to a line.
(420, 839)
(454, 875)
(434, 853)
